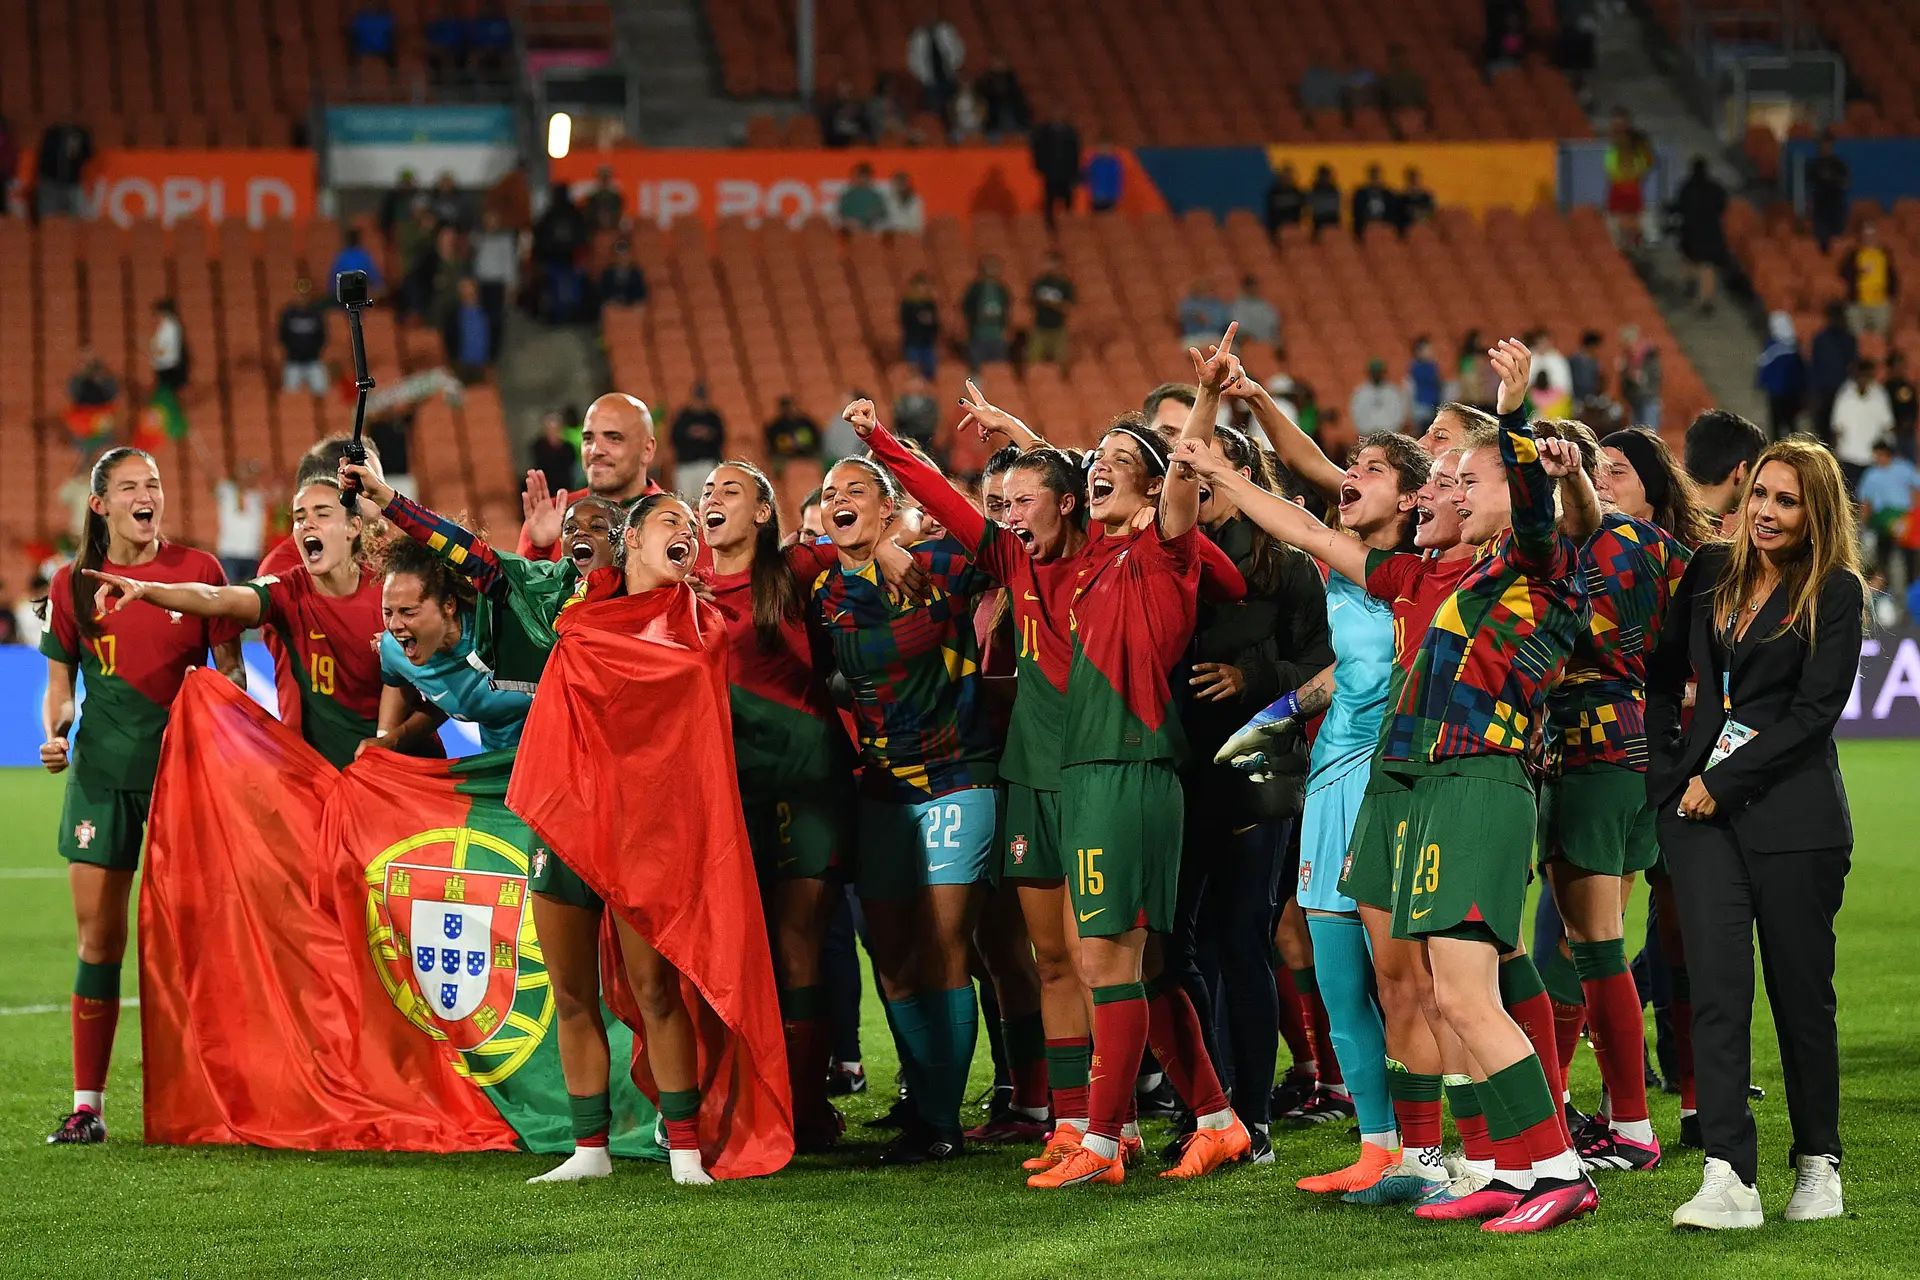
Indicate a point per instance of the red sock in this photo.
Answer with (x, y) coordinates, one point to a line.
(806, 1069)
(1293, 1028)
(683, 1135)
(1568, 1019)
(1547, 1139)
(1510, 1156)
(1419, 1122)
(1535, 1016)
(1323, 1056)
(1473, 1137)
(1618, 1033)
(1173, 1028)
(1682, 1018)
(1119, 1040)
(94, 1022)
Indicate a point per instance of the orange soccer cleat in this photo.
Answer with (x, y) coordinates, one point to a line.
(1375, 1163)
(1080, 1166)
(1208, 1149)
(1064, 1139)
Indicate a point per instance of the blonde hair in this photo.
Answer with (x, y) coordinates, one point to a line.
(1831, 545)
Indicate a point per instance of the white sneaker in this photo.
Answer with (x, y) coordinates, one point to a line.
(686, 1169)
(1723, 1201)
(1816, 1190)
(585, 1162)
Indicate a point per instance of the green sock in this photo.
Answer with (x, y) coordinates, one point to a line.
(803, 1004)
(1522, 1090)
(1500, 1126)
(1463, 1100)
(1070, 1066)
(1120, 991)
(1305, 982)
(1558, 975)
(1519, 981)
(1596, 960)
(592, 1116)
(97, 981)
(679, 1104)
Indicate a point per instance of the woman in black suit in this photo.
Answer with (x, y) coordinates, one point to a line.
(1753, 813)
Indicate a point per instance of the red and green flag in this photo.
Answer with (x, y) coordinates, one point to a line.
(164, 418)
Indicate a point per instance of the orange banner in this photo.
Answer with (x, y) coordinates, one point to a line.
(663, 185)
(173, 185)
(1475, 175)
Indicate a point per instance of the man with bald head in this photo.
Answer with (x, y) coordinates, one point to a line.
(616, 448)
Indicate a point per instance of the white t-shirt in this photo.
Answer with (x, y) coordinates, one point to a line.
(165, 347)
(243, 521)
(1859, 420)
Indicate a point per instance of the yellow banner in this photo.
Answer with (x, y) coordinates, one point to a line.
(1475, 175)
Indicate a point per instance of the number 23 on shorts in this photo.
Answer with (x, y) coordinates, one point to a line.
(1426, 876)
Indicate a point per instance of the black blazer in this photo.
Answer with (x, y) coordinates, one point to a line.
(1782, 790)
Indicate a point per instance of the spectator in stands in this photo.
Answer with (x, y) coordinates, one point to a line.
(446, 41)
(1323, 201)
(370, 34)
(1257, 318)
(396, 204)
(884, 113)
(916, 415)
(792, 435)
(1827, 181)
(1377, 404)
(1629, 158)
(1202, 315)
(1056, 158)
(1402, 87)
(1831, 359)
(623, 283)
(554, 456)
(920, 326)
(1053, 298)
(167, 348)
(1323, 88)
(935, 54)
(559, 238)
(242, 525)
(303, 338)
(9, 166)
(1862, 414)
(1506, 33)
(987, 307)
(861, 204)
(440, 276)
(1641, 378)
(604, 206)
(28, 624)
(1286, 202)
(450, 205)
(1469, 382)
(1005, 101)
(699, 436)
(1423, 385)
(353, 256)
(1551, 361)
(392, 438)
(1412, 203)
(496, 265)
(92, 385)
(1106, 175)
(1906, 408)
(468, 334)
(1372, 202)
(1583, 367)
(906, 211)
(1703, 238)
(414, 241)
(1886, 494)
(968, 115)
(843, 118)
(1782, 374)
(1872, 282)
(64, 152)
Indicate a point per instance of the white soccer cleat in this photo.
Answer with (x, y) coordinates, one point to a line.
(1816, 1190)
(686, 1169)
(585, 1162)
(1723, 1202)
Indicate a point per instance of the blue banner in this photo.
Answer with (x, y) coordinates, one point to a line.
(1883, 169)
(441, 126)
(23, 688)
(1218, 179)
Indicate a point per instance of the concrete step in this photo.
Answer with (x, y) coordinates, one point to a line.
(1722, 343)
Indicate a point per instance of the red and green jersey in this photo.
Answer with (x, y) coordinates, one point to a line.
(1598, 713)
(1415, 586)
(1132, 616)
(131, 671)
(283, 557)
(1479, 678)
(334, 648)
(786, 730)
(914, 671)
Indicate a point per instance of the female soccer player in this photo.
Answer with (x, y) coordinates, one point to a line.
(133, 665)
(326, 611)
(1121, 807)
(927, 811)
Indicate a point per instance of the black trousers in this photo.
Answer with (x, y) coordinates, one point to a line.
(1724, 892)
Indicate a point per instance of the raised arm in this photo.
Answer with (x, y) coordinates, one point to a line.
(1180, 492)
(1579, 504)
(464, 551)
(923, 483)
(196, 599)
(991, 420)
(1287, 521)
(1297, 451)
(1529, 485)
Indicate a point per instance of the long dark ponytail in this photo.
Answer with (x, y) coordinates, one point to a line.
(1267, 560)
(775, 591)
(93, 540)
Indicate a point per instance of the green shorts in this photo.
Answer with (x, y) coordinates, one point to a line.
(1597, 817)
(557, 880)
(1467, 851)
(801, 837)
(1368, 873)
(1121, 827)
(1030, 834)
(103, 826)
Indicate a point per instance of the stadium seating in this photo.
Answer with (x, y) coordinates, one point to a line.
(68, 284)
(1150, 72)
(1789, 273)
(757, 314)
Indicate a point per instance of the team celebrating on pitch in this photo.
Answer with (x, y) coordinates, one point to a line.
(1511, 648)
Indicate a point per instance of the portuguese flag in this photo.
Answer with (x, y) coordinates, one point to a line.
(345, 961)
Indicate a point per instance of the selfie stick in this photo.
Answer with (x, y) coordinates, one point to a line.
(352, 293)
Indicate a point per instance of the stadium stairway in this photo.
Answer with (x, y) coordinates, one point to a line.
(1722, 345)
(665, 43)
(543, 367)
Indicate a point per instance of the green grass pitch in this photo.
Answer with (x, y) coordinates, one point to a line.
(125, 1209)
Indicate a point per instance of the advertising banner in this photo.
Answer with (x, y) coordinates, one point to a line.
(1471, 175)
(173, 185)
(663, 185)
(370, 146)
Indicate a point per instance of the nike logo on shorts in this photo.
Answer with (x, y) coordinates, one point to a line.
(1088, 915)
(941, 866)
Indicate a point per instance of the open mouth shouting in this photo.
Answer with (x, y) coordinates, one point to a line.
(1100, 489)
(312, 549)
(1349, 494)
(682, 549)
(580, 551)
(1026, 537)
(715, 519)
(143, 519)
(845, 518)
